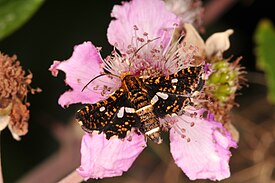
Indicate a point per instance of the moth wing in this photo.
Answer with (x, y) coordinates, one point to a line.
(168, 104)
(170, 94)
(113, 116)
(184, 82)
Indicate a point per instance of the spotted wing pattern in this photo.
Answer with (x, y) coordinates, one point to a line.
(169, 104)
(170, 94)
(114, 116)
(184, 82)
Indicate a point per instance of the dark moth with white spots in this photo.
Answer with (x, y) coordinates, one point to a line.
(140, 102)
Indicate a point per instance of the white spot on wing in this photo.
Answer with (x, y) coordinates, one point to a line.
(80, 123)
(154, 100)
(153, 131)
(173, 115)
(120, 113)
(143, 108)
(130, 110)
(101, 108)
(164, 96)
(175, 80)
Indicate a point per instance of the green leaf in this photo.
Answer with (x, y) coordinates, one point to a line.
(14, 13)
(265, 52)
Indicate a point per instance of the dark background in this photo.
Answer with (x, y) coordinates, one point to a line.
(51, 35)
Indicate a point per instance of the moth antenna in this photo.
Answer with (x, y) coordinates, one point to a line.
(96, 78)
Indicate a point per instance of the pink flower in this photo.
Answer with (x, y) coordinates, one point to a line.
(83, 65)
(108, 158)
(200, 146)
(142, 32)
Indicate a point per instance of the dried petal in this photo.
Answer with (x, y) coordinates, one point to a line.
(192, 38)
(5, 116)
(4, 121)
(19, 119)
(233, 131)
(217, 43)
(14, 87)
(13, 81)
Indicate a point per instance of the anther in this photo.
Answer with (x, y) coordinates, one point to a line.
(135, 28)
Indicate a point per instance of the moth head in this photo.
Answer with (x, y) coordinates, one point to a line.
(123, 75)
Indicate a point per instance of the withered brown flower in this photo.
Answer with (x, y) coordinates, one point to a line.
(14, 87)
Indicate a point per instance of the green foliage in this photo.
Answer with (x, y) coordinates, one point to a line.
(14, 13)
(265, 40)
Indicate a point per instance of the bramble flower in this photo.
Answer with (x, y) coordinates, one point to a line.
(226, 77)
(142, 32)
(14, 87)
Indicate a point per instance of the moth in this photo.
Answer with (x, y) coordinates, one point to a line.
(140, 102)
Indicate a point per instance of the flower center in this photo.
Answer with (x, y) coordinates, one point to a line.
(147, 56)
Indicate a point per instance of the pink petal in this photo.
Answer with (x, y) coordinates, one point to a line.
(202, 148)
(83, 66)
(108, 158)
(54, 69)
(150, 16)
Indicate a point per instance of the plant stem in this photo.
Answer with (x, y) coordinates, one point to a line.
(1, 175)
(73, 177)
